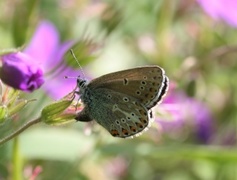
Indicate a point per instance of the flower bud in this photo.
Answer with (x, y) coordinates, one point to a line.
(58, 112)
(21, 72)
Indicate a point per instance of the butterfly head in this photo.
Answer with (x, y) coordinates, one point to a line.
(81, 83)
(83, 92)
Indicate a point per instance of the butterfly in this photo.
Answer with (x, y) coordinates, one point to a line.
(122, 101)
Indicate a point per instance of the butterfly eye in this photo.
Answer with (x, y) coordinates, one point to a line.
(81, 83)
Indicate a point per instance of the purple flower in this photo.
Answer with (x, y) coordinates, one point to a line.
(20, 71)
(186, 113)
(45, 50)
(45, 46)
(221, 10)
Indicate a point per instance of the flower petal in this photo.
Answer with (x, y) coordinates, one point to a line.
(185, 111)
(57, 58)
(21, 72)
(58, 86)
(221, 10)
(44, 42)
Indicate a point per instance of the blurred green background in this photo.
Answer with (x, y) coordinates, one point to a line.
(199, 57)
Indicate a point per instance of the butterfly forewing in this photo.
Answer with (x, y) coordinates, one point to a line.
(134, 73)
(147, 84)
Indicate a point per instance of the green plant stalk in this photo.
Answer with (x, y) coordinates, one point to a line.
(16, 161)
(20, 130)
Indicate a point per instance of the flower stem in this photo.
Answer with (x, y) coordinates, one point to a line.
(20, 130)
(16, 161)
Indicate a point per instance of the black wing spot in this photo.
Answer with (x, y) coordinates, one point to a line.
(125, 81)
(138, 93)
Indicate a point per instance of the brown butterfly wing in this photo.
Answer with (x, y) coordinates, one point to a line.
(147, 84)
(122, 116)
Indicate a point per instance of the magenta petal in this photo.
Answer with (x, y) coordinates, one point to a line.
(228, 12)
(57, 86)
(211, 7)
(185, 110)
(21, 72)
(44, 42)
(221, 10)
(203, 120)
(57, 57)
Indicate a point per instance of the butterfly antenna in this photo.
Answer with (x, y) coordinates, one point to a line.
(71, 50)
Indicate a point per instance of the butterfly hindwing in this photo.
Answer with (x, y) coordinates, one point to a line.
(121, 115)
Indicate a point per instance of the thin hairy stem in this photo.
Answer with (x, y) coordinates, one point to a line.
(20, 130)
